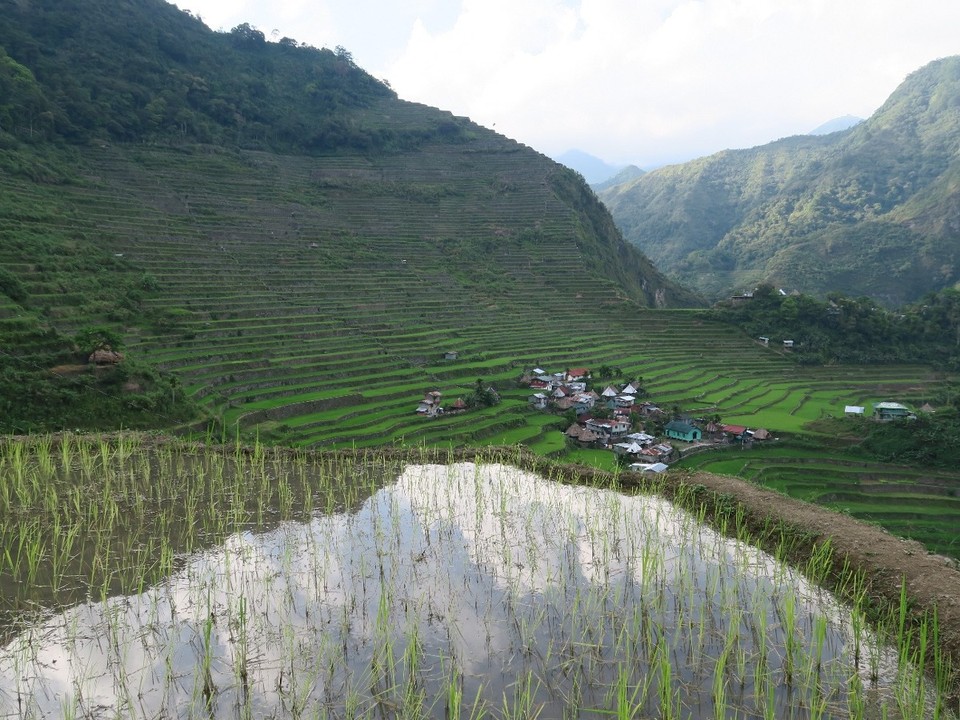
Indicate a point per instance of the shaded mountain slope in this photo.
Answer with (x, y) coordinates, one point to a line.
(871, 211)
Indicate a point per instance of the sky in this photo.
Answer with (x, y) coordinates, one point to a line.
(643, 82)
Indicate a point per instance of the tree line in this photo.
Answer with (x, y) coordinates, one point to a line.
(841, 329)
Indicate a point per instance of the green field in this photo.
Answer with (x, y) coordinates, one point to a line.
(919, 503)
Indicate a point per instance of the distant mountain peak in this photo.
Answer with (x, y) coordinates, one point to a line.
(836, 125)
(593, 169)
(627, 174)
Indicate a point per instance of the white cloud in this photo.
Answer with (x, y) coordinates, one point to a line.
(631, 81)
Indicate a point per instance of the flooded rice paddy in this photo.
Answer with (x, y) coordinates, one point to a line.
(442, 591)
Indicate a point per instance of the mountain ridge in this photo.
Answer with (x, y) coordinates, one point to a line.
(869, 211)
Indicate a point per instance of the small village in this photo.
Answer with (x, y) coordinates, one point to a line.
(621, 419)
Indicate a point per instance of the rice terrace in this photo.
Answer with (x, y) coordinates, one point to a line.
(257, 582)
(318, 403)
(252, 581)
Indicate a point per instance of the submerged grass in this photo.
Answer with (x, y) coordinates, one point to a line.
(89, 520)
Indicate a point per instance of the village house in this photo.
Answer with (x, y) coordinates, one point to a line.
(539, 401)
(660, 452)
(577, 374)
(450, 355)
(640, 467)
(630, 449)
(430, 405)
(105, 356)
(641, 438)
(892, 411)
(714, 430)
(584, 402)
(737, 431)
(608, 430)
(579, 434)
(679, 430)
(649, 410)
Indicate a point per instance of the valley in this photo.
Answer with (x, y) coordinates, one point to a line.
(237, 276)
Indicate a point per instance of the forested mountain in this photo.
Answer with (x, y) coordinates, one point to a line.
(873, 210)
(630, 172)
(231, 206)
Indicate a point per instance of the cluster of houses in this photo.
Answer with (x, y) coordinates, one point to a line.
(431, 406)
(612, 428)
(568, 391)
(884, 411)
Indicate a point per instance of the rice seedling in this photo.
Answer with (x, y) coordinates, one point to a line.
(249, 582)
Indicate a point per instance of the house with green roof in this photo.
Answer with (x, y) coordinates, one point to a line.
(679, 430)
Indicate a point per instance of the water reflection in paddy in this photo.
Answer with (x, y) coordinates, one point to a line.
(462, 591)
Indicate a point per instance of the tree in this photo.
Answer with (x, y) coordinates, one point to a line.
(245, 35)
(93, 338)
(481, 397)
(11, 286)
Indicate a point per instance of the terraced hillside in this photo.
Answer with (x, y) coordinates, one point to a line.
(312, 300)
(918, 503)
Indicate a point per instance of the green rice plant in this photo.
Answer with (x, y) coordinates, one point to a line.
(66, 451)
(522, 705)
(633, 613)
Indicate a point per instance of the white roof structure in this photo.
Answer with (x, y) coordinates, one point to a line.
(853, 410)
(629, 390)
(648, 467)
(889, 406)
(630, 448)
